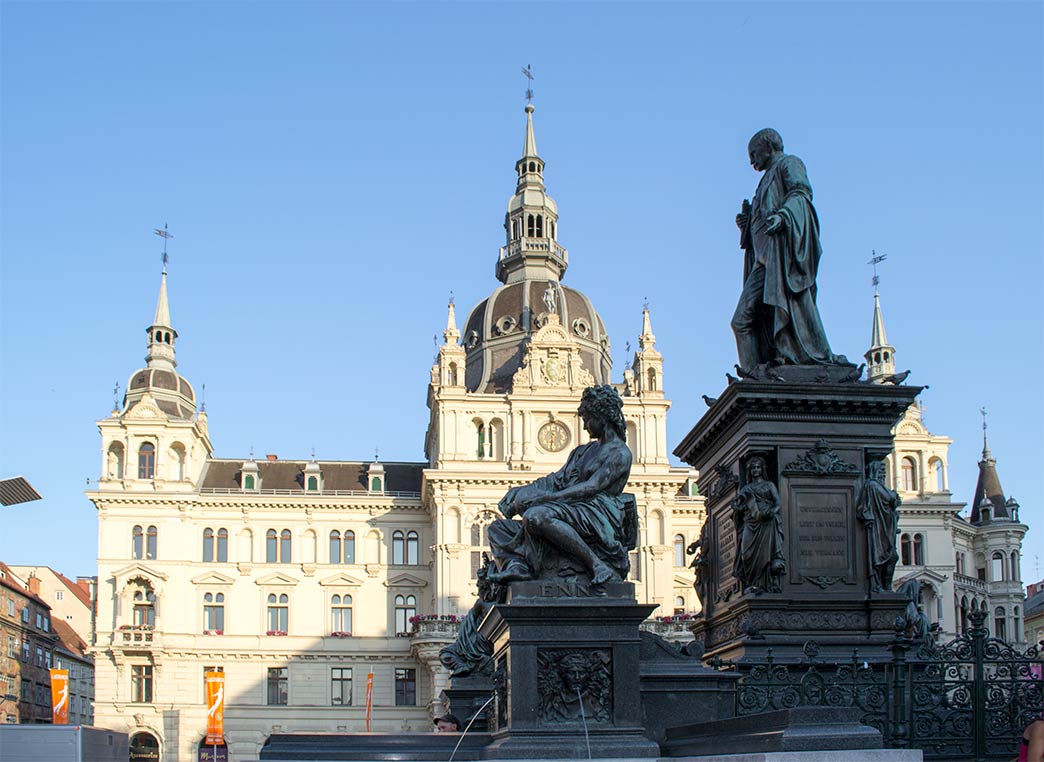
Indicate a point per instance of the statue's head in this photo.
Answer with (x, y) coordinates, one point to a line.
(574, 668)
(755, 468)
(877, 471)
(603, 403)
(762, 146)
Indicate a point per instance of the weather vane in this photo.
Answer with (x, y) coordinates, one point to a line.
(166, 236)
(982, 412)
(451, 297)
(116, 397)
(203, 405)
(875, 260)
(527, 71)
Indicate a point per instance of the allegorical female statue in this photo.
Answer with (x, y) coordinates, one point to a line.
(878, 507)
(759, 532)
(575, 523)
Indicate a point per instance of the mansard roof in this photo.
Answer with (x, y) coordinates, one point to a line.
(337, 475)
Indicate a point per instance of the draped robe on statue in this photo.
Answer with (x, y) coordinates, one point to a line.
(879, 508)
(760, 536)
(777, 314)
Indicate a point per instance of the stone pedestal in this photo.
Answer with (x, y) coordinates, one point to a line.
(817, 440)
(465, 697)
(567, 673)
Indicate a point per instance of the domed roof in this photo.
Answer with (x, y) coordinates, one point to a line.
(498, 328)
(173, 393)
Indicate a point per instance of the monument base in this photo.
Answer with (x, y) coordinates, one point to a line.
(466, 698)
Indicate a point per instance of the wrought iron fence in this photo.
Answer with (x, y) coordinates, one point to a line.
(968, 699)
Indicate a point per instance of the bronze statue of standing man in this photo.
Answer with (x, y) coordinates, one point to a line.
(777, 321)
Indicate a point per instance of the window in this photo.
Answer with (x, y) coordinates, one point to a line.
(375, 484)
(278, 679)
(277, 546)
(47, 659)
(679, 604)
(10, 607)
(540, 226)
(141, 683)
(398, 547)
(59, 595)
(215, 551)
(998, 623)
(39, 656)
(904, 550)
(341, 614)
(530, 226)
(345, 553)
(959, 563)
(405, 687)
(412, 548)
(144, 609)
(138, 544)
(908, 471)
(27, 689)
(26, 649)
(936, 467)
(679, 550)
(341, 686)
(1016, 572)
(1016, 627)
(248, 481)
(997, 570)
(147, 461)
(405, 547)
(918, 549)
(12, 646)
(150, 543)
(214, 613)
(278, 614)
(313, 484)
(405, 610)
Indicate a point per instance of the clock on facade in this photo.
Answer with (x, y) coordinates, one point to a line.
(553, 436)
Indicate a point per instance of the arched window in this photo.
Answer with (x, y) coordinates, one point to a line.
(997, 567)
(114, 465)
(271, 547)
(679, 604)
(398, 547)
(341, 614)
(451, 375)
(144, 609)
(904, 550)
(532, 166)
(405, 610)
(909, 474)
(531, 226)
(278, 614)
(651, 386)
(284, 546)
(655, 528)
(375, 484)
(214, 613)
(208, 545)
(937, 475)
(151, 536)
(999, 630)
(222, 546)
(144, 745)
(177, 461)
(412, 548)
(138, 543)
(147, 461)
(307, 547)
(349, 546)
(918, 550)
(540, 226)
(248, 481)
(335, 547)
(313, 484)
(552, 226)
(246, 546)
(480, 429)
(679, 550)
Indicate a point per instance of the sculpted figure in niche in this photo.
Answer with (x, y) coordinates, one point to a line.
(574, 685)
(777, 321)
(878, 508)
(700, 563)
(759, 532)
(576, 524)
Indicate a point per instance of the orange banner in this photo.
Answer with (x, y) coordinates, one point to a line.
(60, 696)
(369, 700)
(215, 690)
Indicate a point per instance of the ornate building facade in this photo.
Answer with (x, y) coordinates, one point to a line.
(299, 579)
(964, 563)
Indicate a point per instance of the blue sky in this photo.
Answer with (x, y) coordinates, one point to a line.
(331, 171)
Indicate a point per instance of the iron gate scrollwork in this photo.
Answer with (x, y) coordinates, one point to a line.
(968, 699)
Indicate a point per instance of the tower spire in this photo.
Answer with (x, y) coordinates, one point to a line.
(161, 334)
(451, 334)
(988, 488)
(880, 358)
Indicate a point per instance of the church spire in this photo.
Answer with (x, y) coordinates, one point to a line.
(161, 334)
(532, 251)
(880, 358)
(451, 334)
(988, 502)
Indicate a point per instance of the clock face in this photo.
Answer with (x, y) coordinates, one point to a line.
(553, 436)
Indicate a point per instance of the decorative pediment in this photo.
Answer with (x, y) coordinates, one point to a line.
(406, 580)
(680, 581)
(926, 577)
(138, 570)
(145, 409)
(340, 580)
(276, 580)
(212, 578)
(551, 360)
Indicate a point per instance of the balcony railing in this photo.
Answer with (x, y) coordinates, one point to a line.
(969, 583)
(670, 628)
(134, 635)
(435, 627)
(313, 493)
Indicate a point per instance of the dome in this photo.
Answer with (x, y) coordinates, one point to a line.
(173, 393)
(496, 332)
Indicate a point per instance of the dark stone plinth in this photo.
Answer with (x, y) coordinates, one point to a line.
(550, 641)
(465, 698)
(677, 688)
(355, 747)
(799, 729)
(816, 440)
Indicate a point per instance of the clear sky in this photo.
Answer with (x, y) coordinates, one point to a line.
(332, 171)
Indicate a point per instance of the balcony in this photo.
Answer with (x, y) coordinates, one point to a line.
(432, 628)
(672, 628)
(131, 636)
(965, 582)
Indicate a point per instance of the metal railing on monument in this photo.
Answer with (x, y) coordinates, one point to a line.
(969, 699)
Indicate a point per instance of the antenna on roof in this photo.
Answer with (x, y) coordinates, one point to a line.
(527, 72)
(875, 260)
(166, 235)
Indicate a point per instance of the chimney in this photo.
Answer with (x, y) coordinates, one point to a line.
(271, 458)
(34, 585)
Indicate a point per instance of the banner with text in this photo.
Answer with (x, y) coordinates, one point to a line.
(60, 696)
(215, 688)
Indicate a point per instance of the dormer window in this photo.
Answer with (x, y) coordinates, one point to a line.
(248, 481)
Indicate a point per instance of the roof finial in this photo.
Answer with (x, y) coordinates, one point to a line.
(166, 236)
(251, 451)
(985, 446)
(875, 260)
(313, 453)
(116, 397)
(527, 72)
(376, 454)
(203, 401)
